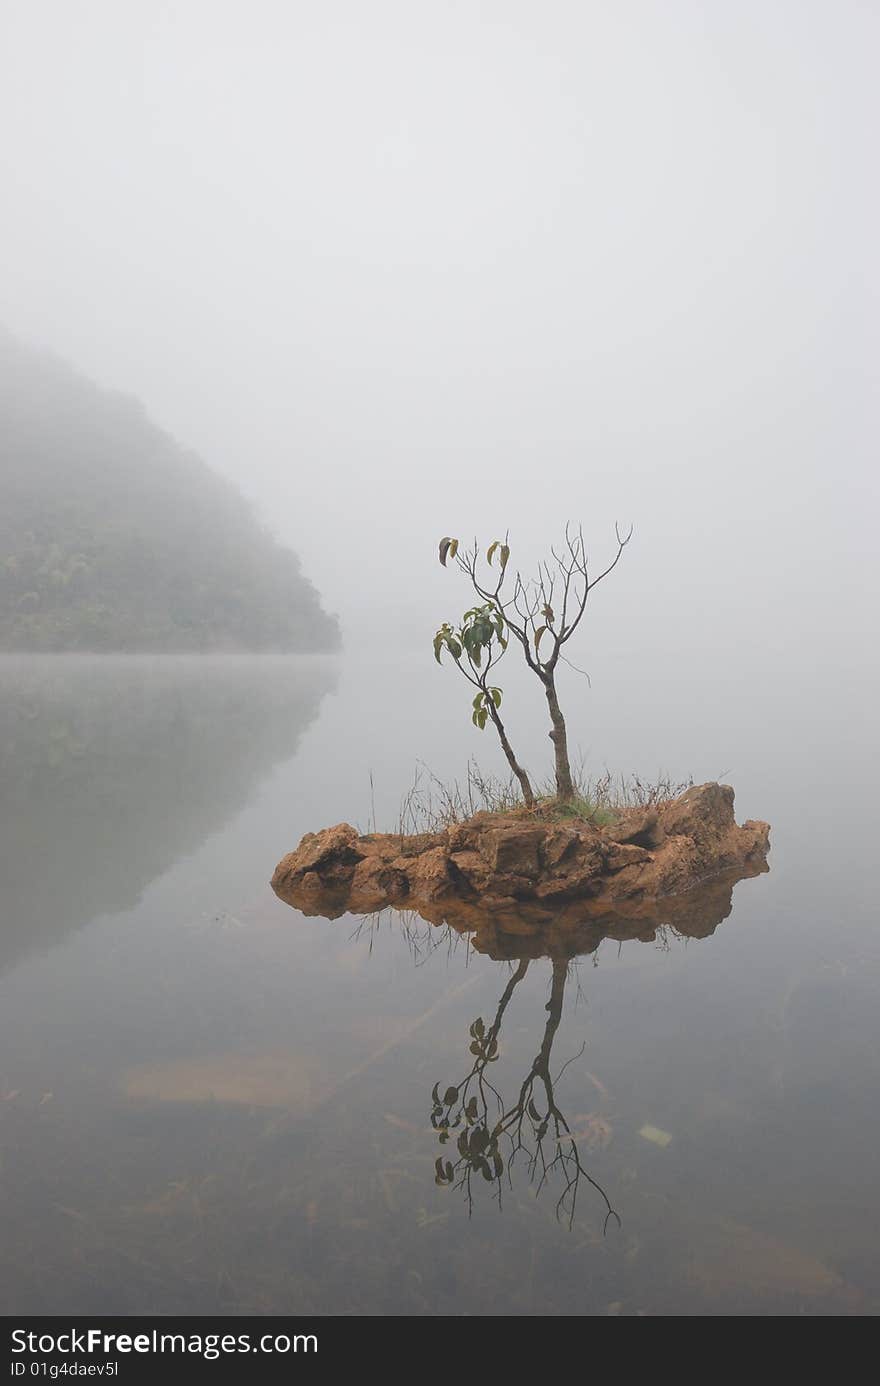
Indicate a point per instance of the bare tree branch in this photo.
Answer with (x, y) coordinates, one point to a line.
(532, 601)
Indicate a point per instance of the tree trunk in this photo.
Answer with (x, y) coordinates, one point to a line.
(512, 761)
(564, 784)
(541, 1065)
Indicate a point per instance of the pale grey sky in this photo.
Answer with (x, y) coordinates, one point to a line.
(409, 269)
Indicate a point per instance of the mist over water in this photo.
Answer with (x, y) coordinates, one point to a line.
(396, 273)
(212, 1104)
(402, 274)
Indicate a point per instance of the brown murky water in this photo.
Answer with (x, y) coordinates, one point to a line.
(211, 1104)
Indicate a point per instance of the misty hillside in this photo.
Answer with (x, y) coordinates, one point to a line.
(112, 537)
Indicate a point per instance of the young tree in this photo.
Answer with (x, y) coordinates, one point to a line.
(548, 607)
(477, 646)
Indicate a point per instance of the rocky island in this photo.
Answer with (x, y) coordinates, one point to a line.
(528, 871)
(555, 864)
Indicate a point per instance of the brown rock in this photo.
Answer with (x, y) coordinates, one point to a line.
(578, 885)
(702, 811)
(313, 896)
(559, 842)
(642, 827)
(429, 875)
(376, 884)
(512, 847)
(336, 846)
(525, 873)
(412, 844)
(473, 867)
(621, 854)
(704, 816)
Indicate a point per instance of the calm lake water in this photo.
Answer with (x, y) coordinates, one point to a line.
(210, 1104)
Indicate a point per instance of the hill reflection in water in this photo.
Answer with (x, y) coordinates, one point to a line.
(114, 768)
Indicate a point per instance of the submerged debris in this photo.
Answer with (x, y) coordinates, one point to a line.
(655, 1135)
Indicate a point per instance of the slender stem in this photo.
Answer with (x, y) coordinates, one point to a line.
(519, 772)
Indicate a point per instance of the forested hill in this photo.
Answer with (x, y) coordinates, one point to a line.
(112, 537)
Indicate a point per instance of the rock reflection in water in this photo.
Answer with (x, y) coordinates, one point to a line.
(485, 1137)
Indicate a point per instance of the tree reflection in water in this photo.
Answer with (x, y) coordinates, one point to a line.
(481, 1134)
(493, 1136)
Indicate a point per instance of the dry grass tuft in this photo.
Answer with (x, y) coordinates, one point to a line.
(430, 805)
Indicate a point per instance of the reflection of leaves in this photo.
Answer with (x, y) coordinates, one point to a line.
(520, 1126)
(444, 1173)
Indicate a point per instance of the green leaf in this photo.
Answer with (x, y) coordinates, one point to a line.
(538, 633)
(435, 1094)
(454, 648)
(445, 545)
(505, 554)
(491, 549)
(477, 700)
(496, 696)
(453, 548)
(450, 1096)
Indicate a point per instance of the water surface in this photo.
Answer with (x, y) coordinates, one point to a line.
(211, 1104)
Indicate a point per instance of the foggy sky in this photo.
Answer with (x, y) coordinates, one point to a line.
(408, 269)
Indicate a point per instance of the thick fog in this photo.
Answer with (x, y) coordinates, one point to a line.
(404, 269)
(397, 270)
